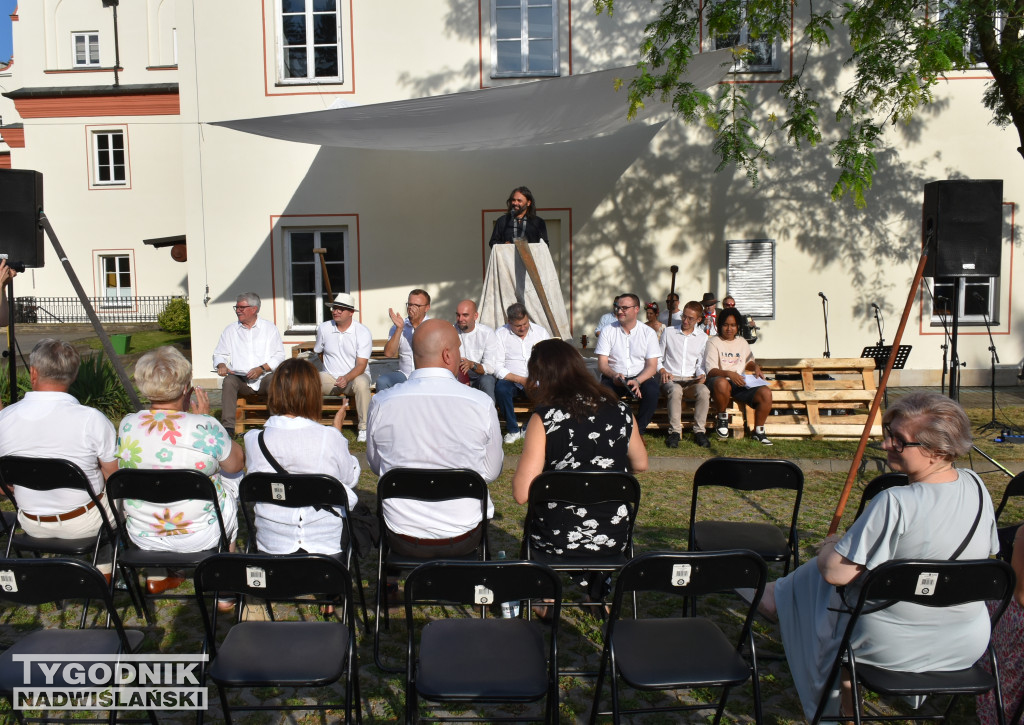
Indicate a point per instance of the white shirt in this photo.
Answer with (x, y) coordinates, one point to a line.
(244, 348)
(514, 351)
(301, 445)
(405, 364)
(433, 421)
(341, 349)
(677, 318)
(50, 424)
(606, 319)
(681, 354)
(628, 352)
(480, 345)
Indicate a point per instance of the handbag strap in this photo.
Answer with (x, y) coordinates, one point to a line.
(266, 454)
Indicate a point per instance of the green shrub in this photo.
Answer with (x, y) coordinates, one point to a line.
(99, 387)
(24, 384)
(175, 317)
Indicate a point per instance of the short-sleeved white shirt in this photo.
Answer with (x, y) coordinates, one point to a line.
(514, 351)
(340, 349)
(628, 352)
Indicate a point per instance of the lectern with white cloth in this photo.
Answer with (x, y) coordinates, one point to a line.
(507, 281)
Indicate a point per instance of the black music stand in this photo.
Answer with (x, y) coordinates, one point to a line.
(880, 354)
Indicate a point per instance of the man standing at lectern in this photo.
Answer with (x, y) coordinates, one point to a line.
(521, 220)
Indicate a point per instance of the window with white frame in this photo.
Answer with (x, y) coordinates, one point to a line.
(307, 288)
(109, 160)
(761, 55)
(85, 50)
(977, 298)
(309, 41)
(750, 265)
(524, 38)
(115, 276)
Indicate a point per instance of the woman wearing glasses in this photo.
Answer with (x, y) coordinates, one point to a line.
(943, 513)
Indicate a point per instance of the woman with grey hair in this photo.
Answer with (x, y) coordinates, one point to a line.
(943, 513)
(175, 432)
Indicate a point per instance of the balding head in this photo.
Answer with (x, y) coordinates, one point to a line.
(466, 315)
(435, 344)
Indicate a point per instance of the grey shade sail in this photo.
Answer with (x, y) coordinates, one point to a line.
(542, 112)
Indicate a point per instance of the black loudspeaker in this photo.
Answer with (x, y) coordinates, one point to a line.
(963, 227)
(21, 201)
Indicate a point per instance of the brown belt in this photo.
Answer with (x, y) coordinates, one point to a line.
(436, 542)
(73, 514)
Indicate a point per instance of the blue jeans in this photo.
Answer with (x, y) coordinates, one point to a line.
(504, 391)
(390, 380)
(483, 382)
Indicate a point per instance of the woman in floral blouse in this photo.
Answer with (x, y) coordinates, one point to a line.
(169, 435)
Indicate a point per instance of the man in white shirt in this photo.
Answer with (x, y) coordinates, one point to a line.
(682, 374)
(399, 342)
(433, 421)
(245, 356)
(344, 347)
(671, 315)
(50, 423)
(478, 348)
(515, 342)
(627, 358)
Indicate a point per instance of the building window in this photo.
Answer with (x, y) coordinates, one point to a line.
(750, 277)
(85, 48)
(309, 41)
(978, 298)
(110, 163)
(524, 38)
(307, 289)
(115, 279)
(761, 56)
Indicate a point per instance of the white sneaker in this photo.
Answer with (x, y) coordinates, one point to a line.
(513, 437)
(722, 426)
(361, 438)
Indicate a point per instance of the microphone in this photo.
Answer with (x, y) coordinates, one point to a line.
(822, 296)
(978, 297)
(875, 306)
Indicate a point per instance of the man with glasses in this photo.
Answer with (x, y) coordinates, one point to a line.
(682, 375)
(399, 342)
(627, 358)
(671, 315)
(246, 355)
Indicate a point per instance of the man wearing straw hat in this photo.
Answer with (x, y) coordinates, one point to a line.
(344, 346)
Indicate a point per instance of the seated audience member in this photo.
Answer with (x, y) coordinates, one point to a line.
(50, 423)
(651, 311)
(478, 348)
(246, 354)
(671, 315)
(606, 319)
(344, 346)
(175, 432)
(1008, 640)
(434, 421)
(943, 513)
(515, 341)
(727, 359)
(682, 375)
(710, 322)
(627, 358)
(299, 444)
(399, 342)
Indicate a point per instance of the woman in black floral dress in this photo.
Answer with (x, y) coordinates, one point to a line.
(577, 425)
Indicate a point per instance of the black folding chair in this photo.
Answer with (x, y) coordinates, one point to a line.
(433, 486)
(679, 652)
(298, 490)
(610, 490)
(878, 484)
(160, 486)
(929, 584)
(482, 660)
(1015, 488)
(39, 581)
(297, 654)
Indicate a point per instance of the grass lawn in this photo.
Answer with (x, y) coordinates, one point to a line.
(145, 340)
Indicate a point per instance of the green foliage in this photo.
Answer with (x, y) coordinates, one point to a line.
(175, 317)
(98, 386)
(24, 385)
(899, 50)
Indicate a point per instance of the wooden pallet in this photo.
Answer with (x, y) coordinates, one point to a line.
(252, 412)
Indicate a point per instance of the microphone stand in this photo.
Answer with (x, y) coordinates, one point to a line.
(824, 312)
(941, 312)
(994, 359)
(878, 323)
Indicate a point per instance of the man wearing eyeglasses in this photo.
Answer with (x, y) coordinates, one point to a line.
(627, 358)
(246, 355)
(671, 316)
(399, 342)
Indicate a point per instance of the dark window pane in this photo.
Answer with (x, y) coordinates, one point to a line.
(320, 6)
(303, 278)
(102, 142)
(334, 243)
(302, 247)
(326, 62)
(509, 57)
(336, 274)
(726, 40)
(539, 22)
(541, 55)
(295, 62)
(119, 157)
(104, 173)
(325, 29)
(509, 24)
(119, 173)
(103, 158)
(117, 141)
(761, 52)
(304, 307)
(293, 6)
(294, 29)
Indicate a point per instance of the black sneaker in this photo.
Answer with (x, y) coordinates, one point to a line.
(701, 440)
(761, 438)
(672, 441)
(722, 425)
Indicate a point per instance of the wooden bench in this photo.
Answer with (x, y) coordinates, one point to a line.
(252, 412)
(809, 407)
(660, 420)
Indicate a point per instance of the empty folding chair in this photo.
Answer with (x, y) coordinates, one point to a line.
(878, 484)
